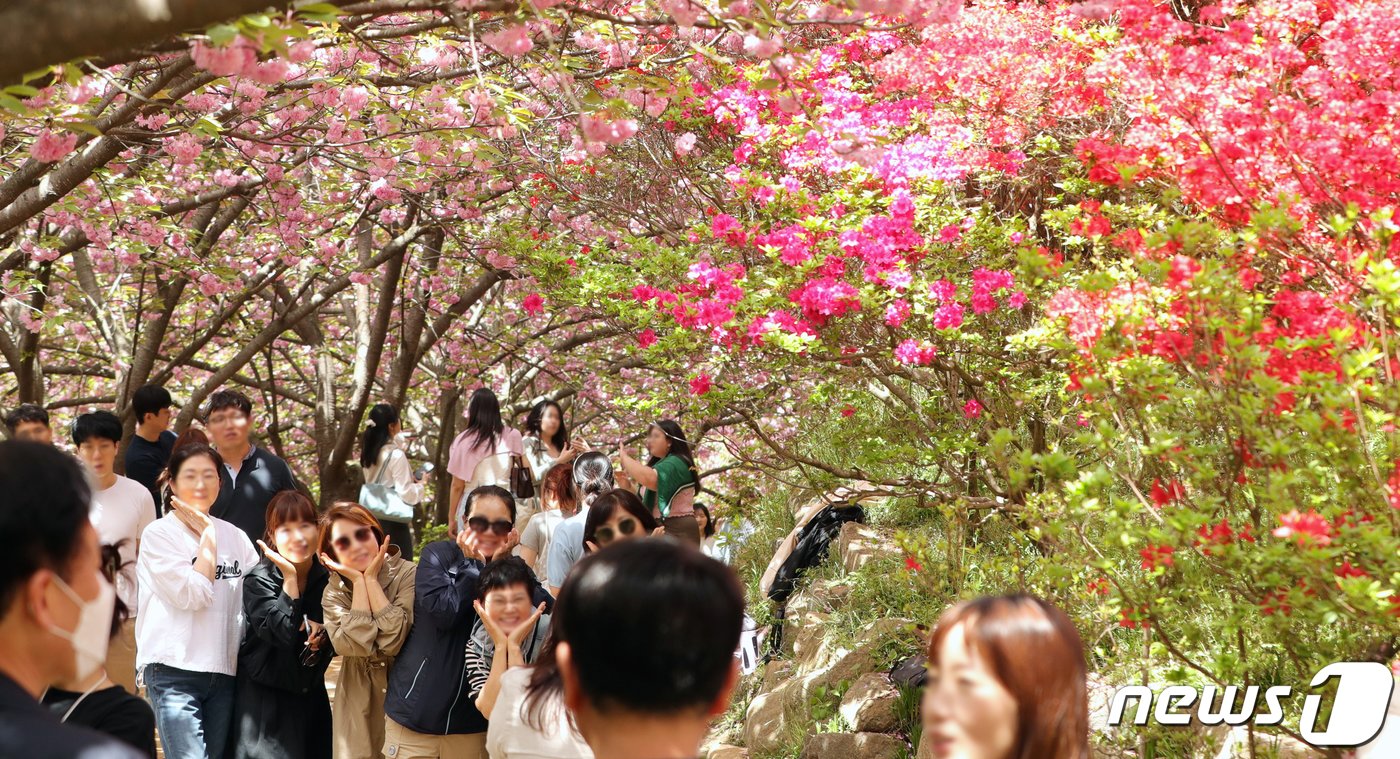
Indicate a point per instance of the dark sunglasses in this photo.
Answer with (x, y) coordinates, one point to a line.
(606, 535)
(480, 525)
(362, 535)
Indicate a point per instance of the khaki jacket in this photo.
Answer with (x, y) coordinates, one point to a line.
(367, 644)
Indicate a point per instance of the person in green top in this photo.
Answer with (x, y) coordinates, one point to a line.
(669, 479)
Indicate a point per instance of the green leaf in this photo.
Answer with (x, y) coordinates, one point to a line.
(22, 90)
(767, 84)
(81, 126)
(222, 34)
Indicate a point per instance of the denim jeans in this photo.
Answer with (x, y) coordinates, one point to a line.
(192, 710)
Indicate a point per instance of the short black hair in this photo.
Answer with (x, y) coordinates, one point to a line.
(228, 399)
(672, 613)
(26, 412)
(505, 573)
(609, 503)
(42, 515)
(149, 399)
(99, 424)
(489, 491)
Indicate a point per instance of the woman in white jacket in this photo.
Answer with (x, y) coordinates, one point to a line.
(384, 461)
(190, 594)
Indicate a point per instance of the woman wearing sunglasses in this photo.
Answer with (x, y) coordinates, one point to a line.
(280, 710)
(429, 708)
(617, 515)
(189, 576)
(368, 609)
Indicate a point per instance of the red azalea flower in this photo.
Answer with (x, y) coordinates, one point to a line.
(533, 303)
(1306, 528)
(700, 384)
(912, 564)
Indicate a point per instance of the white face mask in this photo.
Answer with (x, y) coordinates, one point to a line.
(93, 633)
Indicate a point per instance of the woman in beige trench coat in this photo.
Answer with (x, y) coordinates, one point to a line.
(368, 610)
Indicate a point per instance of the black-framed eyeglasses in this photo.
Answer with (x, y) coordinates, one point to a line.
(607, 535)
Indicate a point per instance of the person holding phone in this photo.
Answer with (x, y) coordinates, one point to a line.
(280, 707)
(189, 585)
(669, 479)
(383, 460)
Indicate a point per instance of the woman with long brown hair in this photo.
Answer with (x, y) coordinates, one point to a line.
(368, 607)
(1006, 680)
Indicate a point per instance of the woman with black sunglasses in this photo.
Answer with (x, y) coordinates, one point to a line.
(280, 708)
(430, 710)
(617, 515)
(369, 611)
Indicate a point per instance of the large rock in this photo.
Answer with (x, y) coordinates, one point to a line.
(860, 544)
(869, 706)
(853, 746)
(831, 664)
(766, 724)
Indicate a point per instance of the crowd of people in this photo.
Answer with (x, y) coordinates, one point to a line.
(576, 610)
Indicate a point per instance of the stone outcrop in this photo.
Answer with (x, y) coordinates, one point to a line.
(869, 705)
(852, 746)
(860, 544)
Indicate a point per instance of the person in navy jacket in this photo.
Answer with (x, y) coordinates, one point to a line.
(429, 707)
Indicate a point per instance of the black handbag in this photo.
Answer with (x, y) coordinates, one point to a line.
(522, 480)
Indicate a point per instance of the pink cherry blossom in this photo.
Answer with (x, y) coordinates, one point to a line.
(51, 146)
(685, 143)
(602, 129)
(510, 41)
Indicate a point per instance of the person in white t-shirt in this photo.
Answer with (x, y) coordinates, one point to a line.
(558, 503)
(190, 589)
(121, 510)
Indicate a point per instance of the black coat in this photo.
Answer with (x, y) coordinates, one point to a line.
(428, 688)
(280, 710)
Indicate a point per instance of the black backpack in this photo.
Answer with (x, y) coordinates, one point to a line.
(809, 551)
(811, 548)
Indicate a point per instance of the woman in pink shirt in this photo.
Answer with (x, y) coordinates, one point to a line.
(486, 435)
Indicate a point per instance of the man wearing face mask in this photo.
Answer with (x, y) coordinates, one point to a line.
(55, 605)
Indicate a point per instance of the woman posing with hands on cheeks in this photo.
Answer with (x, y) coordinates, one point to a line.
(368, 609)
(281, 710)
(430, 707)
(509, 633)
(190, 593)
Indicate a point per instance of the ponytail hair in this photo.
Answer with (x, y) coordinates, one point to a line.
(593, 476)
(376, 434)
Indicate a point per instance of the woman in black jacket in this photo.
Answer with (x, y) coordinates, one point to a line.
(280, 708)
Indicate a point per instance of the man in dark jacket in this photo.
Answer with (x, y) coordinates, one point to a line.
(50, 584)
(429, 702)
(251, 475)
